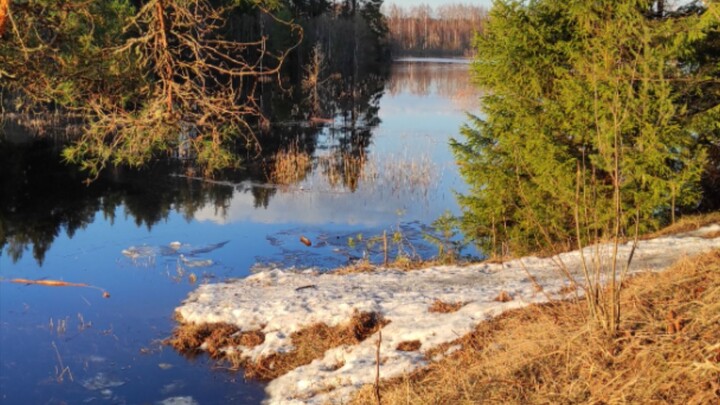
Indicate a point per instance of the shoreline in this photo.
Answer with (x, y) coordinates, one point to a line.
(282, 305)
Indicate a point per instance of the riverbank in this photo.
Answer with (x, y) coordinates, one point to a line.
(668, 351)
(265, 322)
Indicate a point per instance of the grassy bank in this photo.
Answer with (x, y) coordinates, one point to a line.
(668, 351)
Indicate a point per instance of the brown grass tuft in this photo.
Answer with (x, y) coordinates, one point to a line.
(443, 307)
(409, 346)
(188, 338)
(362, 266)
(687, 224)
(290, 166)
(667, 351)
(504, 296)
(310, 343)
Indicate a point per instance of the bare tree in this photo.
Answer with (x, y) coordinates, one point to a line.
(449, 29)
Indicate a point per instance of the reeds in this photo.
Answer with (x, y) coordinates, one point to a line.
(290, 166)
(344, 170)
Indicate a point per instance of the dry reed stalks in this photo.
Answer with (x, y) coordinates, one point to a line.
(668, 350)
(310, 343)
(290, 166)
(398, 174)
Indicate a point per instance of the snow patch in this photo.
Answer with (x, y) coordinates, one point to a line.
(281, 302)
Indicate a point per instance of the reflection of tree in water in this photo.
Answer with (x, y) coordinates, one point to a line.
(354, 104)
(448, 80)
(41, 197)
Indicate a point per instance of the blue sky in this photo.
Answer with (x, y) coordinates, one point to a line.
(435, 3)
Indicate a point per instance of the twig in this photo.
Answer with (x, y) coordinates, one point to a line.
(63, 369)
(377, 368)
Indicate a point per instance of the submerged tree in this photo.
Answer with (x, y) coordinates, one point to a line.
(590, 130)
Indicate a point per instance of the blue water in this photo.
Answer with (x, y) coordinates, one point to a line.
(110, 348)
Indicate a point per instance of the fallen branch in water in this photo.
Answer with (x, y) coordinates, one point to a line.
(57, 283)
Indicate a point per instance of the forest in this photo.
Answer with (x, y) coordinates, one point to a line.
(447, 30)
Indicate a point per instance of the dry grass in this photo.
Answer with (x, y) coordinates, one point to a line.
(310, 343)
(188, 338)
(347, 170)
(409, 346)
(415, 175)
(290, 166)
(402, 264)
(443, 307)
(668, 351)
(503, 296)
(687, 224)
(361, 266)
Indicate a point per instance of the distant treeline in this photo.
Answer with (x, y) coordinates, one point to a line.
(447, 30)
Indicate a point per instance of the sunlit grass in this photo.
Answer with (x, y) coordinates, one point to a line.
(668, 350)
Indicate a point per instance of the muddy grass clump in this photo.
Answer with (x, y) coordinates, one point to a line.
(667, 350)
(310, 343)
(442, 307)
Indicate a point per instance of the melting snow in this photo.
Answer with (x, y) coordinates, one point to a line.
(281, 302)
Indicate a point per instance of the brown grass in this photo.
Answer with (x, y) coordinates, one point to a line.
(403, 264)
(687, 224)
(362, 266)
(667, 352)
(409, 346)
(188, 338)
(310, 343)
(443, 307)
(290, 166)
(504, 296)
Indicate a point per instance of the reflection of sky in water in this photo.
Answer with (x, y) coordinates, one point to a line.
(416, 125)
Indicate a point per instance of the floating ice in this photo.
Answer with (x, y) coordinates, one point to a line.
(178, 401)
(101, 381)
(145, 255)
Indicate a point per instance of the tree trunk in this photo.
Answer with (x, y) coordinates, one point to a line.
(168, 74)
(4, 11)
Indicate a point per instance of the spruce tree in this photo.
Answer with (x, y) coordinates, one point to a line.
(588, 123)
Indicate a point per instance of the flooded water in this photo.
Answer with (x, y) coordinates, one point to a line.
(148, 238)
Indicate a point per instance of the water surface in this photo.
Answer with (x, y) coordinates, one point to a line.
(391, 171)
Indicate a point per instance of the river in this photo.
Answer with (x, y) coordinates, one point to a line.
(148, 238)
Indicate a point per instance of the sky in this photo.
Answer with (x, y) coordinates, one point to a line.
(436, 3)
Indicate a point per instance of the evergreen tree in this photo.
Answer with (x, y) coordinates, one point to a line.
(589, 120)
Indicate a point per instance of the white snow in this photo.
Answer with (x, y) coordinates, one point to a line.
(280, 302)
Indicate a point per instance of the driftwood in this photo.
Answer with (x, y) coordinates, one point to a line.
(56, 283)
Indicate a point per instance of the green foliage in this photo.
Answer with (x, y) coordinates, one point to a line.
(446, 238)
(587, 121)
(56, 51)
(136, 76)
